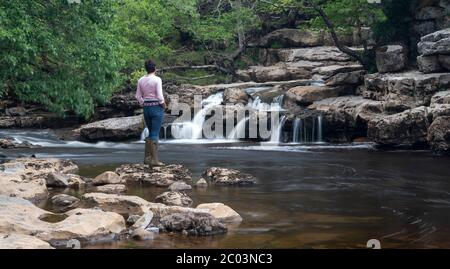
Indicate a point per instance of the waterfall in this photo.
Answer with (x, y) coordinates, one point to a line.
(319, 129)
(308, 130)
(276, 132)
(194, 129)
(297, 132)
(279, 101)
(239, 130)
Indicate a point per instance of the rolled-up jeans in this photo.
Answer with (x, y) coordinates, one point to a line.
(153, 116)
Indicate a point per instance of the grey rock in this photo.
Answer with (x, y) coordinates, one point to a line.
(173, 198)
(429, 64)
(439, 134)
(180, 186)
(192, 224)
(224, 176)
(391, 58)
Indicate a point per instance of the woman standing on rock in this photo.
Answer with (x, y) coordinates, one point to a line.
(150, 95)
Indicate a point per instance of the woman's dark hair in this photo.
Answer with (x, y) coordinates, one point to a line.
(150, 66)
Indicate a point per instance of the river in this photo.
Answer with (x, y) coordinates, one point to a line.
(306, 196)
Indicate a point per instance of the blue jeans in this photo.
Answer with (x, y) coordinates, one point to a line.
(153, 116)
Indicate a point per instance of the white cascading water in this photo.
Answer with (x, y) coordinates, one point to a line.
(194, 129)
(302, 133)
(239, 130)
(276, 132)
(297, 133)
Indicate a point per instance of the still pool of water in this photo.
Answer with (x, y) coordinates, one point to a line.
(308, 196)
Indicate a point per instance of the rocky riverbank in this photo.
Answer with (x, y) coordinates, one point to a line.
(103, 213)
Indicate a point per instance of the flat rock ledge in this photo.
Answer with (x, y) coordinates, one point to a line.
(162, 176)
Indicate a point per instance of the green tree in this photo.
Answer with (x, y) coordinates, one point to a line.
(58, 54)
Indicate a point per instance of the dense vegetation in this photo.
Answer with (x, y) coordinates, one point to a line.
(71, 56)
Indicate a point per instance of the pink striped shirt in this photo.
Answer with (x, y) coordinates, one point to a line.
(149, 87)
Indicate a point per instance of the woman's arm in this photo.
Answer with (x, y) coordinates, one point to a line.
(139, 94)
(159, 92)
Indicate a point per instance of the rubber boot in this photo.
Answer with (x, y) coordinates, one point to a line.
(148, 156)
(154, 154)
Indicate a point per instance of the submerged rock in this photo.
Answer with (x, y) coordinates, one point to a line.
(111, 188)
(107, 177)
(143, 221)
(174, 198)
(87, 225)
(180, 186)
(141, 234)
(162, 176)
(22, 241)
(192, 223)
(65, 201)
(225, 176)
(439, 134)
(201, 183)
(222, 212)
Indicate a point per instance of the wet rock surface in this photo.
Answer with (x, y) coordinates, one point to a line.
(22, 241)
(191, 223)
(224, 176)
(162, 176)
(222, 212)
(174, 198)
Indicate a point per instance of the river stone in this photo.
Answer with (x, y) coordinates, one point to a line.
(111, 188)
(107, 177)
(439, 134)
(113, 129)
(36, 166)
(174, 198)
(179, 186)
(22, 241)
(225, 176)
(64, 200)
(122, 204)
(222, 212)
(191, 223)
(132, 219)
(201, 183)
(162, 176)
(87, 225)
(406, 128)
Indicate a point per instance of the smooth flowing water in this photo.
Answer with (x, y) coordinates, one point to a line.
(306, 196)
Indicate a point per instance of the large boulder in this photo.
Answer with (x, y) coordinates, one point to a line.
(407, 128)
(22, 241)
(391, 58)
(224, 176)
(291, 38)
(306, 95)
(437, 43)
(408, 90)
(86, 225)
(174, 198)
(429, 63)
(222, 212)
(162, 176)
(59, 180)
(113, 129)
(439, 134)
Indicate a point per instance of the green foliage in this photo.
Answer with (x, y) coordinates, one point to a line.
(60, 55)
